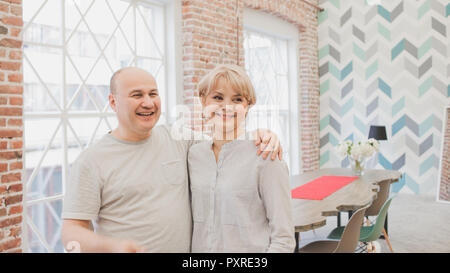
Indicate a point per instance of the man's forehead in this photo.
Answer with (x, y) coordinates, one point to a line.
(134, 72)
(134, 76)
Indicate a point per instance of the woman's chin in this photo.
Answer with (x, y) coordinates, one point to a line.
(226, 133)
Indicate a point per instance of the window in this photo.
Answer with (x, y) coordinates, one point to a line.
(271, 46)
(71, 48)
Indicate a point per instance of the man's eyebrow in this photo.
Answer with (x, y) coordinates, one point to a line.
(140, 90)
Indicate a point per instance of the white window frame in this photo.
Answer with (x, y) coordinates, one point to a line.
(264, 23)
(173, 83)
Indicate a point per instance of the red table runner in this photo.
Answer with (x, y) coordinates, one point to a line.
(321, 187)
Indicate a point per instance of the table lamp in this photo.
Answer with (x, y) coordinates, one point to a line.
(377, 132)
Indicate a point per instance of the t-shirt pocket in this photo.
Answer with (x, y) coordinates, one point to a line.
(174, 172)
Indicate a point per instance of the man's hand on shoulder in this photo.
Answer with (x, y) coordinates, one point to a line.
(268, 142)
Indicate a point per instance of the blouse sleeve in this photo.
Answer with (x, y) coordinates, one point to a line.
(276, 195)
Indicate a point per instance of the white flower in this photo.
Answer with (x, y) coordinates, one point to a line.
(374, 144)
(342, 149)
(356, 153)
(367, 149)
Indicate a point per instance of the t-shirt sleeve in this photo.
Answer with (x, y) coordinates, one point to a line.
(276, 195)
(83, 191)
(185, 135)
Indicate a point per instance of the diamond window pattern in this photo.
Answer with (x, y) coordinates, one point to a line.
(71, 48)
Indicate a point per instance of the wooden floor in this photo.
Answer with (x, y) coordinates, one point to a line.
(417, 224)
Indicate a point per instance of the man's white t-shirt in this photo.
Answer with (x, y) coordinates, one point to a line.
(134, 190)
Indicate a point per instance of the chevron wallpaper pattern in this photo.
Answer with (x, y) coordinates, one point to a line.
(386, 62)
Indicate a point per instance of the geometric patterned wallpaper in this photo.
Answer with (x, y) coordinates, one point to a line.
(386, 62)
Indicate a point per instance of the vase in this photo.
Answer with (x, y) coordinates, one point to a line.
(357, 167)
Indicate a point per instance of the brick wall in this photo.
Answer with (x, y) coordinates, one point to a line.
(11, 128)
(444, 190)
(213, 34)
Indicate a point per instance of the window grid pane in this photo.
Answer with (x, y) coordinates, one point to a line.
(69, 57)
(266, 63)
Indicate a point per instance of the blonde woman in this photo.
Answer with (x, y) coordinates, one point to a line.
(240, 202)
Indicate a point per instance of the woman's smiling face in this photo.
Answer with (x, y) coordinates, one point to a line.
(225, 108)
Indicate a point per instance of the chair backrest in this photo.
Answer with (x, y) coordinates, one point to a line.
(382, 196)
(350, 236)
(377, 228)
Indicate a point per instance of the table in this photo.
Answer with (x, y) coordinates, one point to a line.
(311, 214)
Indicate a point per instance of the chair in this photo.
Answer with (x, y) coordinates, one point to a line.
(368, 233)
(375, 208)
(348, 241)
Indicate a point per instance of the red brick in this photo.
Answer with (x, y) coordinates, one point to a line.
(2, 122)
(14, 243)
(3, 167)
(2, 212)
(3, 145)
(15, 78)
(11, 89)
(15, 122)
(16, 144)
(15, 231)
(3, 189)
(15, 55)
(15, 210)
(10, 111)
(12, 43)
(10, 221)
(3, 100)
(4, 7)
(10, 155)
(15, 166)
(15, 100)
(11, 133)
(11, 66)
(13, 199)
(12, 21)
(15, 188)
(13, 1)
(15, 32)
(11, 177)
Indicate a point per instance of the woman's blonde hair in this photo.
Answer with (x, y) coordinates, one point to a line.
(234, 75)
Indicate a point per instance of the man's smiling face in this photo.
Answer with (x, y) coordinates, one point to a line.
(136, 101)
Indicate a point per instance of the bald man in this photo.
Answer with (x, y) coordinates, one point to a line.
(133, 183)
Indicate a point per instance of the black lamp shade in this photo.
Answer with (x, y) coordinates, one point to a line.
(377, 132)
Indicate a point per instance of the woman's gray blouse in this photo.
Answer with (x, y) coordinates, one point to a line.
(242, 203)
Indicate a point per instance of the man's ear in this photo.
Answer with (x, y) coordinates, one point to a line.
(112, 101)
